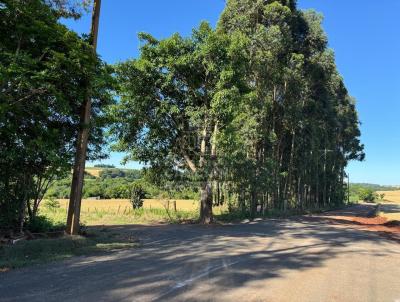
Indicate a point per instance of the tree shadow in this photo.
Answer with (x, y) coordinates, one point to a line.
(390, 208)
(174, 260)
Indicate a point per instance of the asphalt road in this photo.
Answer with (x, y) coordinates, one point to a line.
(298, 259)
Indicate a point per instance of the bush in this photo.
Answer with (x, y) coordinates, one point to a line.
(368, 195)
(41, 224)
(137, 195)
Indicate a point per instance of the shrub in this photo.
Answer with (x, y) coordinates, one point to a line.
(137, 195)
(52, 204)
(368, 195)
(41, 224)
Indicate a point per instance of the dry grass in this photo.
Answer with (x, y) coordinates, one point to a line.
(94, 171)
(392, 196)
(391, 201)
(121, 205)
(120, 212)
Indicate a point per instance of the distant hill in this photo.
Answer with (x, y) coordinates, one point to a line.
(375, 187)
(105, 172)
(93, 171)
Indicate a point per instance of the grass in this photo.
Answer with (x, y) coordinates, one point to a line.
(120, 212)
(391, 197)
(104, 216)
(94, 213)
(39, 251)
(121, 205)
(94, 171)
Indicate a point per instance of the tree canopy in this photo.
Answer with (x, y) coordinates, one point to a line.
(255, 110)
(44, 69)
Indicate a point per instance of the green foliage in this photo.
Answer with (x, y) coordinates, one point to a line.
(137, 196)
(42, 224)
(52, 204)
(253, 112)
(117, 185)
(365, 191)
(368, 195)
(118, 173)
(44, 73)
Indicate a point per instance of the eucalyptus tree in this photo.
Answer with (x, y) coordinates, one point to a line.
(176, 100)
(302, 126)
(256, 109)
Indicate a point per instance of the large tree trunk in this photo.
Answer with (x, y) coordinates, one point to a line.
(206, 215)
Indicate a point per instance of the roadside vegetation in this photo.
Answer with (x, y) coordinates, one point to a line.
(44, 250)
(250, 119)
(368, 192)
(112, 183)
(252, 114)
(121, 212)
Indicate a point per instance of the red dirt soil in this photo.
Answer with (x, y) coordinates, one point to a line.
(377, 224)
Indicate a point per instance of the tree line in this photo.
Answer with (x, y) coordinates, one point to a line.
(119, 184)
(253, 113)
(255, 110)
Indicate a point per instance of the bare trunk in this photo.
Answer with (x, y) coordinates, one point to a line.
(253, 205)
(206, 215)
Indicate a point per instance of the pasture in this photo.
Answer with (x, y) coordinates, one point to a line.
(94, 171)
(391, 196)
(391, 205)
(123, 205)
(120, 211)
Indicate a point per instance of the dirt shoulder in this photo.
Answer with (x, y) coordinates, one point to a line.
(360, 216)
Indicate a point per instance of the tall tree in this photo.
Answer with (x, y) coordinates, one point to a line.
(43, 68)
(176, 99)
(297, 96)
(255, 109)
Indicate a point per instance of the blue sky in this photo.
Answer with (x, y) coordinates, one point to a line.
(365, 35)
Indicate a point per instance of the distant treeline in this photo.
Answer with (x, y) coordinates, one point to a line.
(117, 184)
(366, 191)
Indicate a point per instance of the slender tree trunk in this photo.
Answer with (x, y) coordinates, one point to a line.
(253, 204)
(23, 203)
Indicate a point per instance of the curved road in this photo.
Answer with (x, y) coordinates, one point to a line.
(299, 259)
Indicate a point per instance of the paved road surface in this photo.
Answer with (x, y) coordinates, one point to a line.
(299, 259)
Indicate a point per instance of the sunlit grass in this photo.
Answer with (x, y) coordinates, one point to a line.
(120, 212)
(391, 197)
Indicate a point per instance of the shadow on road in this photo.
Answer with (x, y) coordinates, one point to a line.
(190, 262)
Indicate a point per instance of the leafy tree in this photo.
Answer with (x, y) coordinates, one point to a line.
(300, 127)
(137, 196)
(175, 100)
(44, 68)
(255, 110)
(69, 8)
